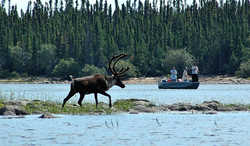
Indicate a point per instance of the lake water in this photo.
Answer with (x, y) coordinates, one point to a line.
(173, 129)
(156, 129)
(225, 93)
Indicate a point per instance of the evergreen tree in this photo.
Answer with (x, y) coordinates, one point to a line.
(216, 34)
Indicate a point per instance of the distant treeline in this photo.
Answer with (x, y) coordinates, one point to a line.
(64, 36)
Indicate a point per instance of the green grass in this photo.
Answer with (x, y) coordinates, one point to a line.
(229, 105)
(124, 104)
(53, 107)
(1, 103)
(246, 106)
(38, 106)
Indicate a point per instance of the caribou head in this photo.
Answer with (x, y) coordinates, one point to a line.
(117, 75)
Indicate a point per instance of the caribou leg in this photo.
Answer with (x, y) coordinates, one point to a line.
(96, 100)
(71, 93)
(106, 94)
(81, 98)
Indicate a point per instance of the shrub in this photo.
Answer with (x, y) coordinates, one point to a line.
(244, 70)
(91, 69)
(66, 67)
(7, 74)
(46, 55)
(4, 73)
(14, 75)
(20, 58)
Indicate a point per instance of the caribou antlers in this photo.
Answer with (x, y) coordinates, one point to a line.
(112, 68)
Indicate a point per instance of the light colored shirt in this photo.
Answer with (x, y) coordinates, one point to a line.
(184, 75)
(173, 75)
(195, 70)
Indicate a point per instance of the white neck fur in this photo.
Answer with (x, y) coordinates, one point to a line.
(111, 83)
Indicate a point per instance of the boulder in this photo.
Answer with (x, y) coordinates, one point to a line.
(13, 110)
(47, 116)
(143, 103)
(134, 100)
(211, 104)
(144, 109)
(22, 102)
(201, 107)
(164, 108)
(132, 111)
(180, 107)
(240, 108)
(224, 109)
(210, 112)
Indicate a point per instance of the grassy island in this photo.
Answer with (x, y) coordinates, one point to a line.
(133, 106)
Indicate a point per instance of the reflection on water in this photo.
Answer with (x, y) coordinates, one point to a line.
(226, 93)
(124, 129)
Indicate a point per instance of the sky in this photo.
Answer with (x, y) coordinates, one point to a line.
(22, 4)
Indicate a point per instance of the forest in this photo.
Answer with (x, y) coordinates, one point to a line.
(64, 37)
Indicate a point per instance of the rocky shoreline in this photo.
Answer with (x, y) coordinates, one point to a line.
(203, 80)
(131, 106)
(217, 79)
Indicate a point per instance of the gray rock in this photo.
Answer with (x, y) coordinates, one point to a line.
(180, 107)
(37, 112)
(240, 108)
(7, 113)
(12, 110)
(132, 111)
(22, 102)
(144, 109)
(210, 112)
(143, 103)
(201, 107)
(47, 82)
(47, 116)
(13, 117)
(224, 109)
(211, 104)
(134, 100)
(164, 108)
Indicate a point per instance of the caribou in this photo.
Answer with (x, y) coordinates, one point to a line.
(97, 83)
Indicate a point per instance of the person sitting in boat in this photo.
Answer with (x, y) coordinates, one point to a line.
(173, 75)
(195, 72)
(185, 75)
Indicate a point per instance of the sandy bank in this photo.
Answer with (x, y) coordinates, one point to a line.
(219, 79)
(202, 79)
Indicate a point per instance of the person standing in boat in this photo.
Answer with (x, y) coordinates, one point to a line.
(195, 72)
(185, 75)
(173, 75)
